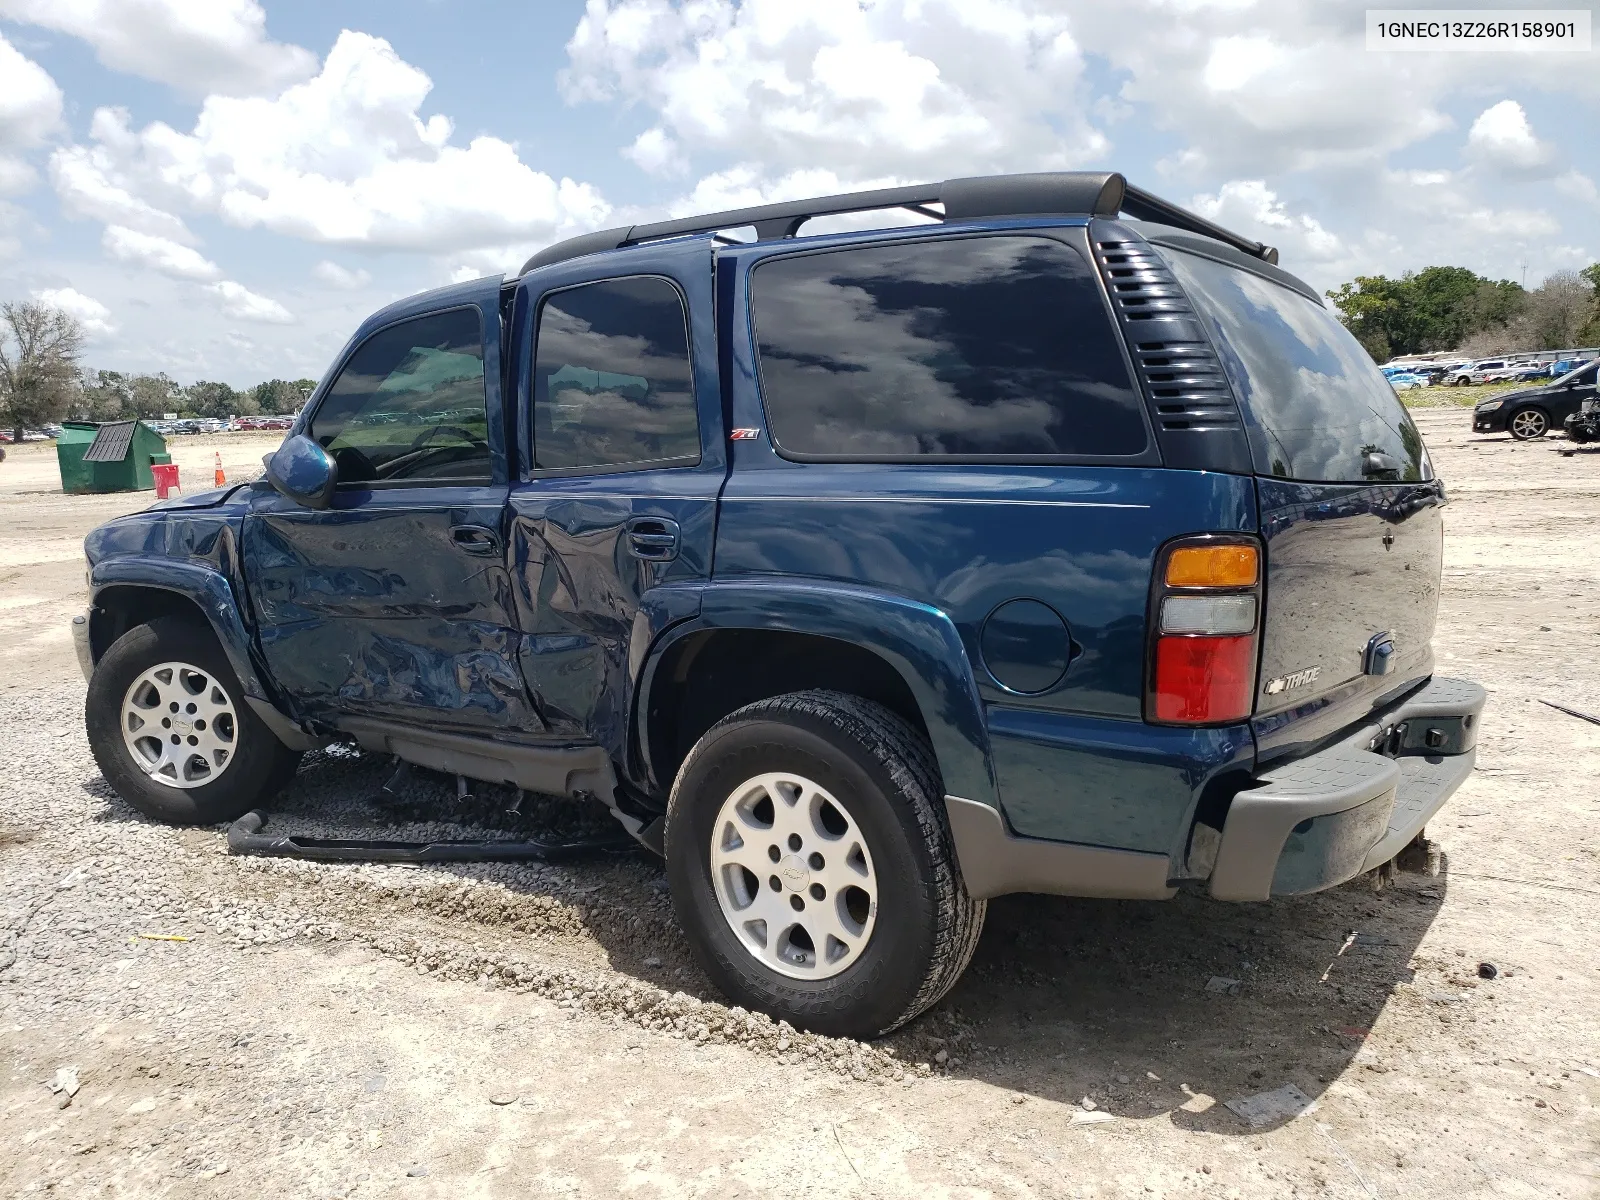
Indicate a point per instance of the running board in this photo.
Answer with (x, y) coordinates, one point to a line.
(245, 836)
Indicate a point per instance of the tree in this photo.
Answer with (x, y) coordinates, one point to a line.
(275, 396)
(1557, 311)
(152, 395)
(102, 396)
(208, 399)
(1432, 309)
(1590, 334)
(39, 348)
(282, 396)
(1372, 308)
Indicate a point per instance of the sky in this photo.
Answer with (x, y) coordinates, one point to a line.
(223, 189)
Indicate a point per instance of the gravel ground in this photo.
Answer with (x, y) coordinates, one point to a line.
(334, 1030)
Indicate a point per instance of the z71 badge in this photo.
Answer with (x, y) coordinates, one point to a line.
(1286, 683)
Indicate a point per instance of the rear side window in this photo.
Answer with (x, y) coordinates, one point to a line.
(612, 384)
(1315, 405)
(971, 348)
(409, 404)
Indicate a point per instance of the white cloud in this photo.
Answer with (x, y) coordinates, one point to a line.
(655, 153)
(1502, 139)
(913, 88)
(1235, 61)
(92, 315)
(239, 301)
(81, 177)
(335, 276)
(344, 159)
(1250, 207)
(30, 111)
(158, 254)
(1579, 186)
(196, 46)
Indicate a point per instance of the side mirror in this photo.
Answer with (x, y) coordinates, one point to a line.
(302, 471)
(1375, 464)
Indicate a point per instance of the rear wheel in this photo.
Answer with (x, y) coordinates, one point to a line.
(170, 729)
(1528, 423)
(811, 865)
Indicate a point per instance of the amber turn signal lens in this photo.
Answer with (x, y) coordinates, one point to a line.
(1213, 566)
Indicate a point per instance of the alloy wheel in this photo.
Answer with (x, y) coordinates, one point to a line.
(793, 876)
(179, 725)
(1529, 423)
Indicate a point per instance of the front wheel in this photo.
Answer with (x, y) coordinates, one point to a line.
(1528, 423)
(811, 865)
(171, 732)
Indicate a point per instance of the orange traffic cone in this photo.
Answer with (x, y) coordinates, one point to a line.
(221, 478)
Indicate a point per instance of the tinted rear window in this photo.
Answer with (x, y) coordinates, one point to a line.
(965, 348)
(1315, 404)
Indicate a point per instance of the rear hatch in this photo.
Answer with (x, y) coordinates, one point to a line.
(1349, 507)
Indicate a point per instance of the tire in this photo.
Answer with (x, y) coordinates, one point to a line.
(902, 947)
(1528, 423)
(238, 766)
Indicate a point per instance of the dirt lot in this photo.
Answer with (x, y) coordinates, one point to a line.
(41, 540)
(363, 1031)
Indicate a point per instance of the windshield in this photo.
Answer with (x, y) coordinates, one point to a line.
(1316, 406)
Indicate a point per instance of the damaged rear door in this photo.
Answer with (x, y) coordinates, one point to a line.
(613, 520)
(394, 604)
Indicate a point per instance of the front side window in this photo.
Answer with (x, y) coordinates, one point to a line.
(612, 384)
(409, 405)
(963, 348)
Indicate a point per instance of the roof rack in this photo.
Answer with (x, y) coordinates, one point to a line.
(1091, 193)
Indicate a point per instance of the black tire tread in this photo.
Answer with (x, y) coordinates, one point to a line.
(263, 769)
(908, 759)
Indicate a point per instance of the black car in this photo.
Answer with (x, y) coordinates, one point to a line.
(1532, 412)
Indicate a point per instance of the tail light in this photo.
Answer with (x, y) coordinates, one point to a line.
(1205, 621)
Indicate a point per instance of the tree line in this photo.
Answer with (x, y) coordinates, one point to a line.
(1452, 308)
(43, 381)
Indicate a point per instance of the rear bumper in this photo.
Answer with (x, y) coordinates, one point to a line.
(1318, 821)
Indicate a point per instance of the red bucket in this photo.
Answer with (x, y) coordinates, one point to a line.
(166, 476)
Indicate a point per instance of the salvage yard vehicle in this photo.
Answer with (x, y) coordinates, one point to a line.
(1583, 426)
(1065, 544)
(1531, 412)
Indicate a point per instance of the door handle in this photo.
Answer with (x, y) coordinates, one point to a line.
(475, 539)
(654, 539)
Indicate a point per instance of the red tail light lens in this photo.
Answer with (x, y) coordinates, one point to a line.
(1204, 680)
(1205, 618)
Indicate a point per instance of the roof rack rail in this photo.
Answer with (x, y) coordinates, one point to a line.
(1090, 193)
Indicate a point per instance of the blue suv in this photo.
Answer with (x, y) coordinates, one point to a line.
(1056, 542)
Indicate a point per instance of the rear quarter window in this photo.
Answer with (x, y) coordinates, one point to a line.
(983, 348)
(1316, 407)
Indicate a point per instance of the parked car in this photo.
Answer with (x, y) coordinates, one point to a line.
(1402, 381)
(1484, 371)
(1533, 412)
(842, 577)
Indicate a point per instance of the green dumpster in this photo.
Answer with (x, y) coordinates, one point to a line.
(109, 458)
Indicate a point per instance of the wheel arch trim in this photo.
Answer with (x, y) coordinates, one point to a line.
(210, 592)
(917, 640)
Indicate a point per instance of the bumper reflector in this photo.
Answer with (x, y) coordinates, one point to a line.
(1204, 679)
